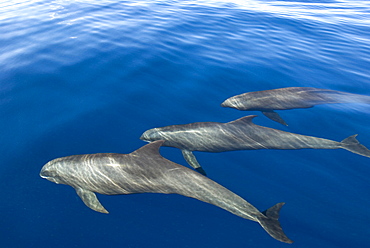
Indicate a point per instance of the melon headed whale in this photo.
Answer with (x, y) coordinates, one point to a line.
(241, 134)
(146, 171)
(267, 101)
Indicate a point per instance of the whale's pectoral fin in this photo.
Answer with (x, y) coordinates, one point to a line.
(270, 222)
(90, 200)
(191, 159)
(275, 117)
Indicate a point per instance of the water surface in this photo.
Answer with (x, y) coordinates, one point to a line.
(91, 76)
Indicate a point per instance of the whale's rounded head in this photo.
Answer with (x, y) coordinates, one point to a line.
(151, 135)
(241, 102)
(232, 102)
(50, 172)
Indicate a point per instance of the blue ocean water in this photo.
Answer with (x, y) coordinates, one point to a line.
(82, 76)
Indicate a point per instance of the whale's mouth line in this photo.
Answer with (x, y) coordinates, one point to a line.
(51, 179)
(144, 139)
(44, 176)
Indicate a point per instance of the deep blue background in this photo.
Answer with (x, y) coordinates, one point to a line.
(90, 76)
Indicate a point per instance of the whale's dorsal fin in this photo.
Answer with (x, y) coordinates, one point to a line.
(151, 148)
(90, 200)
(244, 120)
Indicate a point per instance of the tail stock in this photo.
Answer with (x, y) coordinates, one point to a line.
(271, 224)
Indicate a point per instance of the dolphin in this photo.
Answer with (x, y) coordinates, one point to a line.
(146, 171)
(240, 134)
(267, 101)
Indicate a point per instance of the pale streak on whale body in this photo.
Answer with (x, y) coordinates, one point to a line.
(241, 134)
(267, 101)
(146, 171)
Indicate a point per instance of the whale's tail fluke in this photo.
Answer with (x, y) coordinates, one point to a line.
(351, 144)
(271, 224)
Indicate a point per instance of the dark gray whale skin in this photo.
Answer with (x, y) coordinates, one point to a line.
(241, 134)
(146, 171)
(267, 101)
